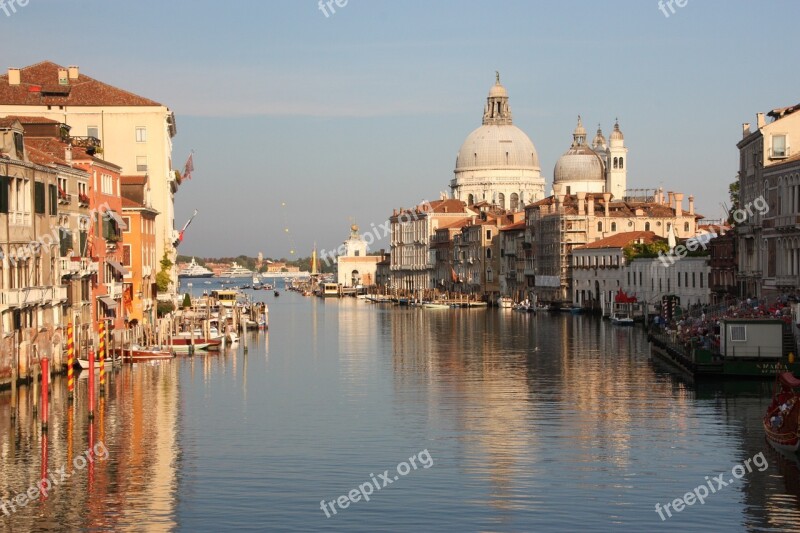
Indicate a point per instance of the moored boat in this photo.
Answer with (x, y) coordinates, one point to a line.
(504, 302)
(137, 353)
(782, 419)
(84, 363)
(435, 305)
(621, 319)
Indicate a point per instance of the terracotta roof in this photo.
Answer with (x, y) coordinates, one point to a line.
(460, 223)
(513, 227)
(621, 240)
(33, 120)
(42, 157)
(127, 202)
(39, 86)
(134, 180)
(7, 122)
(780, 112)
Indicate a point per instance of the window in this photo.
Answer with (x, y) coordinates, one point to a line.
(488, 234)
(141, 134)
(613, 226)
(93, 131)
(701, 280)
(779, 146)
(515, 202)
(83, 237)
(5, 188)
(616, 162)
(126, 255)
(647, 226)
(621, 163)
(357, 252)
(679, 279)
(738, 333)
(65, 241)
(685, 226)
(685, 279)
(599, 226)
(488, 253)
(19, 145)
(53, 190)
(127, 223)
(38, 197)
(141, 163)
(693, 280)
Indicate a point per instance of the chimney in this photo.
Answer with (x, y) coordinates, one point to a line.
(606, 200)
(691, 204)
(745, 129)
(760, 120)
(581, 202)
(590, 206)
(678, 204)
(73, 72)
(13, 76)
(63, 78)
(671, 199)
(559, 203)
(68, 153)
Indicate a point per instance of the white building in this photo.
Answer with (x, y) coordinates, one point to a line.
(497, 162)
(354, 268)
(600, 270)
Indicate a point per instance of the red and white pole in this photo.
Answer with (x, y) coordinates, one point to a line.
(70, 361)
(45, 367)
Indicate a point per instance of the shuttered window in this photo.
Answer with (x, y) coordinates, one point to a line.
(4, 188)
(53, 198)
(38, 197)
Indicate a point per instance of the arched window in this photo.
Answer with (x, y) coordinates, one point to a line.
(647, 226)
(470, 200)
(501, 200)
(621, 163)
(488, 253)
(685, 226)
(613, 226)
(599, 226)
(616, 162)
(514, 202)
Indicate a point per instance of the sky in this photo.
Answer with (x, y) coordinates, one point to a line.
(302, 123)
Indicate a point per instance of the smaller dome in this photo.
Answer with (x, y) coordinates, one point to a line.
(497, 90)
(599, 140)
(580, 131)
(580, 163)
(616, 135)
(354, 228)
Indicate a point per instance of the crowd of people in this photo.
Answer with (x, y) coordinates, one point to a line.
(701, 324)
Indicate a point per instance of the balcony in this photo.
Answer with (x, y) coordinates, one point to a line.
(114, 289)
(83, 200)
(32, 296)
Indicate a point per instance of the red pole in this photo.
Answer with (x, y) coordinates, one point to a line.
(102, 356)
(45, 367)
(70, 360)
(91, 383)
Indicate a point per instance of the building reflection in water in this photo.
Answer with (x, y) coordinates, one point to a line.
(136, 421)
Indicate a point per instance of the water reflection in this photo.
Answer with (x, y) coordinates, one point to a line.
(136, 421)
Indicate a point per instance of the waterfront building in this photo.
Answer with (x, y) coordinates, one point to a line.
(134, 132)
(768, 240)
(560, 223)
(412, 261)
(444, 255)
(104, 241)
(138, 251)
(32, 297)
(722, 260)
(601, 269)
(48, 144)
(498, 162)
(354, 268)
(512, 261)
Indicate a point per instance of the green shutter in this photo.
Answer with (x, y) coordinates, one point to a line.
(38, 197)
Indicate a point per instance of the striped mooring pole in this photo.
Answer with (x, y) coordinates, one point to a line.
(101, 349)
(70, 361)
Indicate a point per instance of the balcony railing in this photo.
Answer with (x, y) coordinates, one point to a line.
(30, 296)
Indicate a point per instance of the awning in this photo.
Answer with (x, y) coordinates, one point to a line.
(117, 266)
(117, 218)
(108, 301)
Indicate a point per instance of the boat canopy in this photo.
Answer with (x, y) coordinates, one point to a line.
(788, 380)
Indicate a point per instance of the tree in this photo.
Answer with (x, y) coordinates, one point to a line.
(163, 278)
(187, 301)
(733, 194)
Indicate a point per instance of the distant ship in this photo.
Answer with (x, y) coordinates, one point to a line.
(236, 271)
(195, 271)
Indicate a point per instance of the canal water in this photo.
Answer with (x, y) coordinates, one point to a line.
(453, 420)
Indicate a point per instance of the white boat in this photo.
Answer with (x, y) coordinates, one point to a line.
(434, 305)
(504, 302)
(84, 363)
(195, 271)
(236, 271)
(621, 319)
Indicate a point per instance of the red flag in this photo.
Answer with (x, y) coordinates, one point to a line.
(453, 275)
(188, 168)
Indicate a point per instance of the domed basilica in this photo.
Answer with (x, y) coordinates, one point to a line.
(498, 162)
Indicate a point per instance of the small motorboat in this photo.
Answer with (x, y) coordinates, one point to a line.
(136, 353)
(621, 319)
(782, 419)
(84, 363)
(435, 305)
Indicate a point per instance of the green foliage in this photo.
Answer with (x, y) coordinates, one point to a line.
(733, 194)
(162, 308)
(640, 251)
(162, 278)
(187, 301)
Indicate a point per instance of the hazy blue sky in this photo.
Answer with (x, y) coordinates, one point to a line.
(353, 114)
